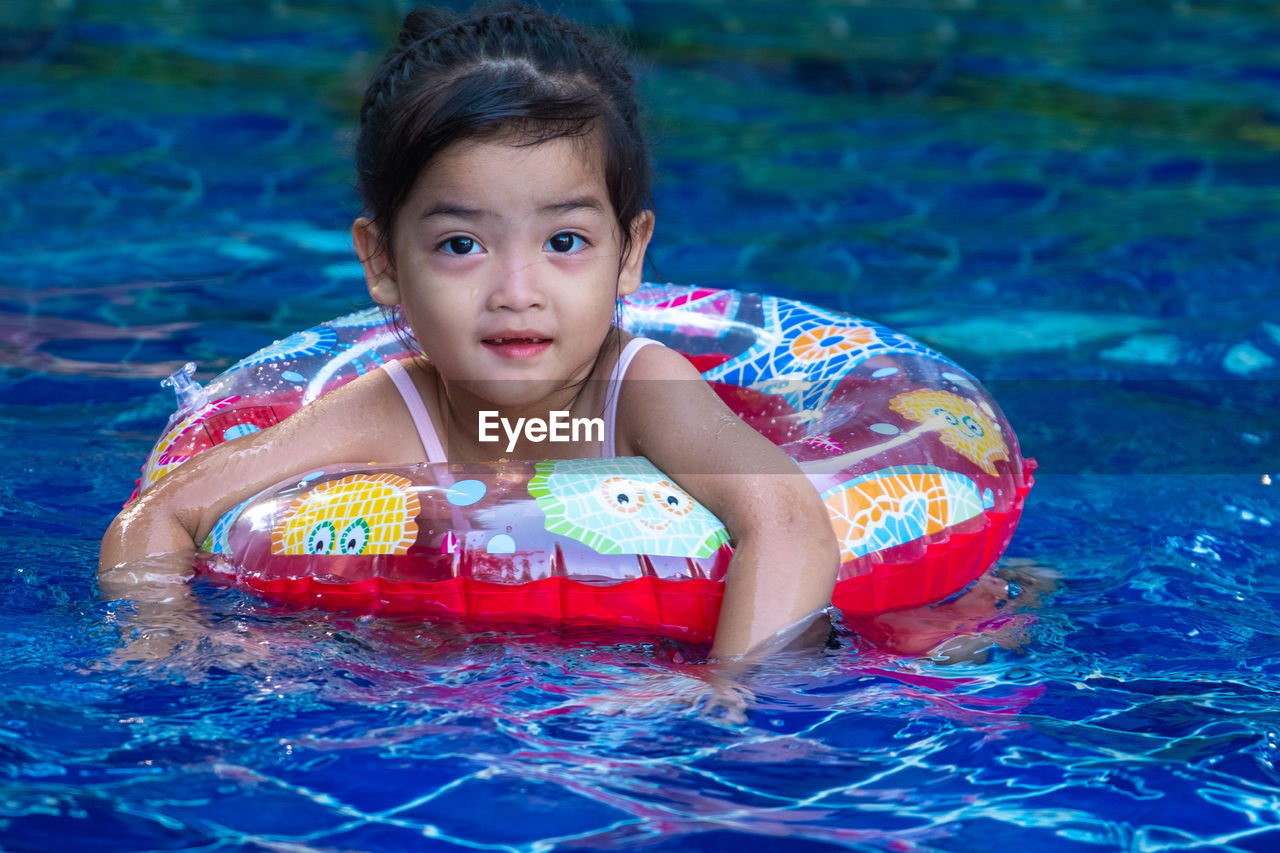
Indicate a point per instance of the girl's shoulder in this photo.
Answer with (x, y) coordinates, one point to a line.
(661, 394)
(655, 360)
(367, 417)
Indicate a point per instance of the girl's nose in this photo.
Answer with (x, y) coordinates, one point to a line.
(517, 286)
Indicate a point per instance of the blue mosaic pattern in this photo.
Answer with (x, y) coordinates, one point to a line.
(916, 511)
(805, 384)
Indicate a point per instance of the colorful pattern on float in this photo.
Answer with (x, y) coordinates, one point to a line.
(357, 514)
(624, 506)
(961, 424)
(805, 351)
(919, 470)
(884, 509)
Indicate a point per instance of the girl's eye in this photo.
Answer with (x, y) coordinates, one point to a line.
(460, 246)
(565, 242)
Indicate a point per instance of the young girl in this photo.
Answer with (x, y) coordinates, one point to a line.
(506, 185)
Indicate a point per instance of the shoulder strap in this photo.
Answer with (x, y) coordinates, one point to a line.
(614, 391)
(417, 410)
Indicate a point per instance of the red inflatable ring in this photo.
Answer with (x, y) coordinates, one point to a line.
(920, 471)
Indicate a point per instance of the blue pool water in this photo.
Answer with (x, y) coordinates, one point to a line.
(1079, 201)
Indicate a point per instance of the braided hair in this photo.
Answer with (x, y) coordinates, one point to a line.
(511, 71)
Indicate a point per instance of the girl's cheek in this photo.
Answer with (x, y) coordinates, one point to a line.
(583, 262)
(454, 267)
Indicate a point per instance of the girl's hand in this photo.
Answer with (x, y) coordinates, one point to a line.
(712, 692)
(162, 624)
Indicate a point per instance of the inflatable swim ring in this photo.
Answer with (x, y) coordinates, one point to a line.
(919, 469)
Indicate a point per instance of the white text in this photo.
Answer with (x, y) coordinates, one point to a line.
(559, 427)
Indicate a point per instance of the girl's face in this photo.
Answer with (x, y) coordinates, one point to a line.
(507, 266)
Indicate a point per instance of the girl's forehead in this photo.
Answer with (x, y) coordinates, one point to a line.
(513, 170)
(581, 154)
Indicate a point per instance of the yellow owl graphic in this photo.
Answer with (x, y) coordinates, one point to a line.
(961, 424)
(357, 514)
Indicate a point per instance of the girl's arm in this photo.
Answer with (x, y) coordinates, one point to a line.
(785, 558)
(359, 422)
(146, 556)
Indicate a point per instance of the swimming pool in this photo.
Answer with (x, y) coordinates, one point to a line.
(1077, 201)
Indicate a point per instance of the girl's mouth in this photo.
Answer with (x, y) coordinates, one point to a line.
(517, 346)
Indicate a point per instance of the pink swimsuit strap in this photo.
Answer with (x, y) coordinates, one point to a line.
(610, 448)
(417, 411)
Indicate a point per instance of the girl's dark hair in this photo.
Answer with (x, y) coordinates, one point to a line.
(502, 69)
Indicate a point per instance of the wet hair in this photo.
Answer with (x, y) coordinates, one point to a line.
(507, 71)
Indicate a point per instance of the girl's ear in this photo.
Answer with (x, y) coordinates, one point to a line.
(632, 273)
(379, 272)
